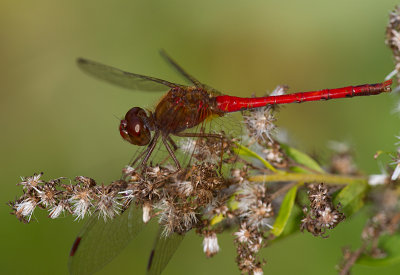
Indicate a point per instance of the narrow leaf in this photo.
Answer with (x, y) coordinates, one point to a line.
(284, 211)
(302, 158)
(292, 224)
(351, 198)
(244, 151)
(216, 219)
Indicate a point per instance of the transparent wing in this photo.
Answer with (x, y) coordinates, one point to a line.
(124, 79)
(180, 70)
(163, 250)
(99, 242)
(186, 75)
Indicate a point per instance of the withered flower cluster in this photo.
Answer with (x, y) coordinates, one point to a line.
(192, 198)
(255, 213)
(80, 199)
(178, 199)
(322, 214)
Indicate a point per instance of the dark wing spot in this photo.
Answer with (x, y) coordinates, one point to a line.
(75, 246)
(150, 260)
(82, 61)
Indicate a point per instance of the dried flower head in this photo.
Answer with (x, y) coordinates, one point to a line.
(254, 205)
(260, 122)
(248, 242)
(25, 207)
(210, 244)
(80, 200)
(322, 215)
(342, 159)
(30, 182)
(204, 149)
(58, 209)
(108, 203)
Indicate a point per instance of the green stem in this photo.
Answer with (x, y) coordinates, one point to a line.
(325, 178)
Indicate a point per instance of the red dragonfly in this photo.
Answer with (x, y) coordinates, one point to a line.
(185, 107)
(181, 109)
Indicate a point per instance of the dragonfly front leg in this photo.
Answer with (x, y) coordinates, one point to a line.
(172, 142)
(149, 150)
(170, 151)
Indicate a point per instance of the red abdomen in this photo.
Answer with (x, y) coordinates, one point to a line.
(233, 104)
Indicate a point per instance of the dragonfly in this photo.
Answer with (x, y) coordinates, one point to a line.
(179, 111)
(184, 107)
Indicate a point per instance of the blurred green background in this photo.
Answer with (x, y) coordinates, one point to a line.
(57, 120)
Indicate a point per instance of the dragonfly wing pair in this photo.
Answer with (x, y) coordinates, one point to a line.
(100, 242)
(124, 79)
(162, 252)
(139, 82)
(136, 81)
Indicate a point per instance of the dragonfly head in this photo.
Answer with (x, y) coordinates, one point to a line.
(134, 128)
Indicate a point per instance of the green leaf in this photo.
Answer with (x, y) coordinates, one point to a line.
(244, 151)
(390, 245)
(232, 204)
(284, 211)
(292, 225)
(302, 158)
(351, 198)
(216, 219)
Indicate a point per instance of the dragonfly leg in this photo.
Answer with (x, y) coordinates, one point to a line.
(150, 149)
(170, 151)
(172, 142)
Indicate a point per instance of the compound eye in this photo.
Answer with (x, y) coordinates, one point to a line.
(134, 127)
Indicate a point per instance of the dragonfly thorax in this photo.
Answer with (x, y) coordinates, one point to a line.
(182, 109)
